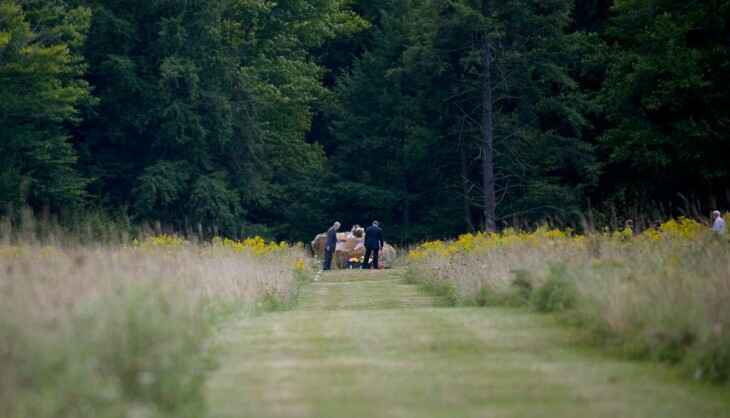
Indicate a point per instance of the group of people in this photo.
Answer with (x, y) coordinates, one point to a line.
(373, 245)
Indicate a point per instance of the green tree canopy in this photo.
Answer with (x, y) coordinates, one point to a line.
(667, 97)
(433, 116)
(41, 89)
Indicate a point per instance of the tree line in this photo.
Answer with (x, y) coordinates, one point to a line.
(434, 116)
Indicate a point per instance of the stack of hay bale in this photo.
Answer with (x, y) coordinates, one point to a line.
(352, 247)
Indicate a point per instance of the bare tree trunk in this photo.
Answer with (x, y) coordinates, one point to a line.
(487, 130)
(405, 235)
(465, 181)
(406, 231)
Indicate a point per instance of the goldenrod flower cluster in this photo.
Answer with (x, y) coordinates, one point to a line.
(256, 246)
(681, 229)
(299, 265)
(9, 252)
(167, 241)
(260, 248)
(468, 243)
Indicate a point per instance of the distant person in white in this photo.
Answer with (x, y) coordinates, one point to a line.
(718, 225)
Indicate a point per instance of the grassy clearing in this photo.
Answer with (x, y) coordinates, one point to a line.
(370, 345)
(125, 330)
(662, 294)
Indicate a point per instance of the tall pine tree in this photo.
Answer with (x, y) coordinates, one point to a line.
(205, 107)
(41, 90)
(666, 97)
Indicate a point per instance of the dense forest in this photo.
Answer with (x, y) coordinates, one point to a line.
(434, 116)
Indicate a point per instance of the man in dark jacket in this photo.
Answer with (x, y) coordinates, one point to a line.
(330, 245)
(373, 244)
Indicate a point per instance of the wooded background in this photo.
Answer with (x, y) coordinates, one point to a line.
(436, 117)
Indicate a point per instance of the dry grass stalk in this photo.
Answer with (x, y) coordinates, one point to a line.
(661, 294)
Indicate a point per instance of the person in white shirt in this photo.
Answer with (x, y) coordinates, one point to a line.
(718, 224)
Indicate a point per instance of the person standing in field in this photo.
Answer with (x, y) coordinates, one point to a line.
(718, 224)
(330, 245)
(373, 244)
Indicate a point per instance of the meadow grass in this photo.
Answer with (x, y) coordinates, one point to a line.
(661, 294)
(124, 330)
(366, 344)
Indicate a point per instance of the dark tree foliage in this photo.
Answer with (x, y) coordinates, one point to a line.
(241, 117)
(41, 89)
(414, 104)
(204, 107)
(667, 100)
(590, 15)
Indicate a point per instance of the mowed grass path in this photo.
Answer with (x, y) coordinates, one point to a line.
(364, 344)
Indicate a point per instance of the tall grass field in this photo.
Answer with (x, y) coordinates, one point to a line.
(124, 330)
(662, 294)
